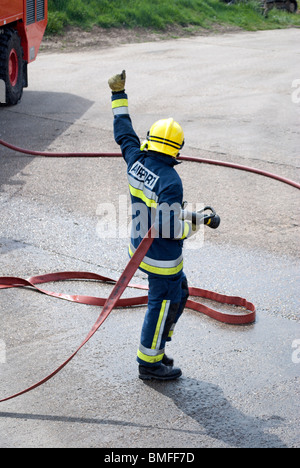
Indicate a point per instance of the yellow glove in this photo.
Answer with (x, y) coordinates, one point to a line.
(117, 82)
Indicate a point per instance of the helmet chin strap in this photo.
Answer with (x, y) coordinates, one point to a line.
(144, 145)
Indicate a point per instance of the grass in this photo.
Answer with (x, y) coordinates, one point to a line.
(159, 14)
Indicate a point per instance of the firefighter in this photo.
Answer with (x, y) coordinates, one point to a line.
(157, 196)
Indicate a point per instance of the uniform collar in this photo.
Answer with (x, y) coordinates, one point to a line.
(168, 160)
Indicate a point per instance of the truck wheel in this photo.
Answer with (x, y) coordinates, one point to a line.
(11, 65)
(291, 6)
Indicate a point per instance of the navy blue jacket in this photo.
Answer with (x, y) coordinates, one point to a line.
(156, 194)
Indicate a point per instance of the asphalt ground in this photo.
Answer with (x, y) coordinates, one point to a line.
(237, 98)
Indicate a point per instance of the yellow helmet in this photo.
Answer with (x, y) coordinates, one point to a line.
(166, 136)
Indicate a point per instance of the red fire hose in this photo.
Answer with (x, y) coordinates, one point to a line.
(183, 158)
(123, 282)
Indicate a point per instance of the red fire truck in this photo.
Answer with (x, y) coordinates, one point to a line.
(22, 27)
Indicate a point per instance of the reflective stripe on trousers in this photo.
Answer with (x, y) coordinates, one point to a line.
(155, 353)
(167, 299)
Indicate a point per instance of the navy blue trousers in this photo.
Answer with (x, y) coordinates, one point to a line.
(167, 298)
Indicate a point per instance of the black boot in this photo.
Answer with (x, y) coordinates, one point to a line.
(168, 361)
(162, 372)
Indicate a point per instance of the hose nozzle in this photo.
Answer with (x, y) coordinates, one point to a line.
(206, 216)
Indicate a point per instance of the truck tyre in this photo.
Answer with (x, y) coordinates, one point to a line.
(291, 6)
(11, 65)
